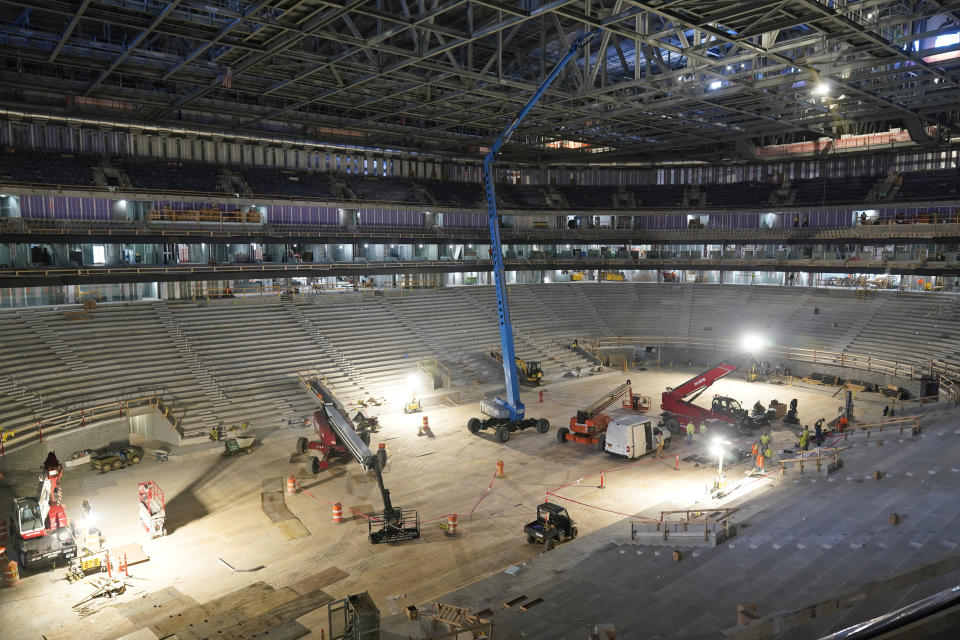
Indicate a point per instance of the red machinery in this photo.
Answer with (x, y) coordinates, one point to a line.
(589, 426)
(677, 409)
(153, 512)
(329, 444)
(39, 527)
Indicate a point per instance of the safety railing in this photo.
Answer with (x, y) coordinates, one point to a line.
(816, 457)
(79, 418)
(691, 518)
(595, 347)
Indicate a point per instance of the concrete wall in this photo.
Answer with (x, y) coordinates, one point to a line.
(93, 436)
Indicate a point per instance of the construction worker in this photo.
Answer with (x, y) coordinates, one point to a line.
(765, 440)
(768, 454)
(818, 431)
(754, 450)
(842, 424)
(804, 441)
(760, 462)
(658, 438)
(690, 429)
(703, 430)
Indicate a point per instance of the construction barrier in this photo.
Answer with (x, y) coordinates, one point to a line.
(291, 485)
(453, 525)
(11, 574)
(500, 468)
(337, 513)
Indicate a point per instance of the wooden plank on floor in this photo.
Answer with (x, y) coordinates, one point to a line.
(106, 623)
(135, 554)
(289, 630)
(271, 601)
(150, 617)
(301, 605)
(319, 580)
(148, 601)
(140, 634)
(292, 529)
(273, 505)
(234, 599)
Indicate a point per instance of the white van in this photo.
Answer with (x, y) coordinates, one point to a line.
(634, 436)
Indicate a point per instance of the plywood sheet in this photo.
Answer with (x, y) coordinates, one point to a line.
(140, 634)
(292, 529)
(107, 623)
(271, 601)
(319, 580)
(135, 554)
(273, 505)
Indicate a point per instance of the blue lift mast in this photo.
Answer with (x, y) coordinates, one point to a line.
(512, 406)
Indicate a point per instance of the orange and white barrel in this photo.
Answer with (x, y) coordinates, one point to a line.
(11, 574)
(337, 513)
(453, 525)
(291, 485)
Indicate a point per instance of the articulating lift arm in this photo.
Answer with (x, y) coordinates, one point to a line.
(512, 404)
(699, 383)
(607, 400)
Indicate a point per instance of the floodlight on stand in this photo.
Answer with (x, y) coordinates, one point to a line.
(821, 89)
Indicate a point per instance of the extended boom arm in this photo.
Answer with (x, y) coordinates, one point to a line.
(512, 403)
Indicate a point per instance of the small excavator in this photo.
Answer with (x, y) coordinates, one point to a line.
(339, 437)
(529, 371)
(679, 410)
(589, 426)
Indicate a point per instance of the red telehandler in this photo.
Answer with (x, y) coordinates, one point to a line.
(678, 408)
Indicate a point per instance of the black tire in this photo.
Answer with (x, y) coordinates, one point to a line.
(562, 434)
(302, 445)
(573, 533)
(473, 425)
(134, 459)
(543, 425)
(602, 442)
(673, 425)
(117, 465)
(503, 433)
(382, 458)
(531, 538)
(549, 543)
(315, 465)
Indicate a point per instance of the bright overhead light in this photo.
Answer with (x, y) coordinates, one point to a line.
(753, 342)
(821, 89)
(716, 84)
(366, 246)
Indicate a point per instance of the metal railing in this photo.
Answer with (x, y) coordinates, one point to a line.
(595, 347)
(79, 418)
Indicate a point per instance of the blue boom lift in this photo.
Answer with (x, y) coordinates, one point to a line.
(507, 415)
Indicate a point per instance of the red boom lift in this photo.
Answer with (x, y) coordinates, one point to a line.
(589, 426)
(678, 410)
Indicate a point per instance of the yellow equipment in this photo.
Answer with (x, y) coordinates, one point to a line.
(413, 406)
(612, 276)
(576, 276)
(530, 372)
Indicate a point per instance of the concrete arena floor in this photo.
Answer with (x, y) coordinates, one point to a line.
(213, 503)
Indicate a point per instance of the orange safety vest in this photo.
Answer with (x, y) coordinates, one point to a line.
(754, 449)
(760, 461)
(842, 423)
